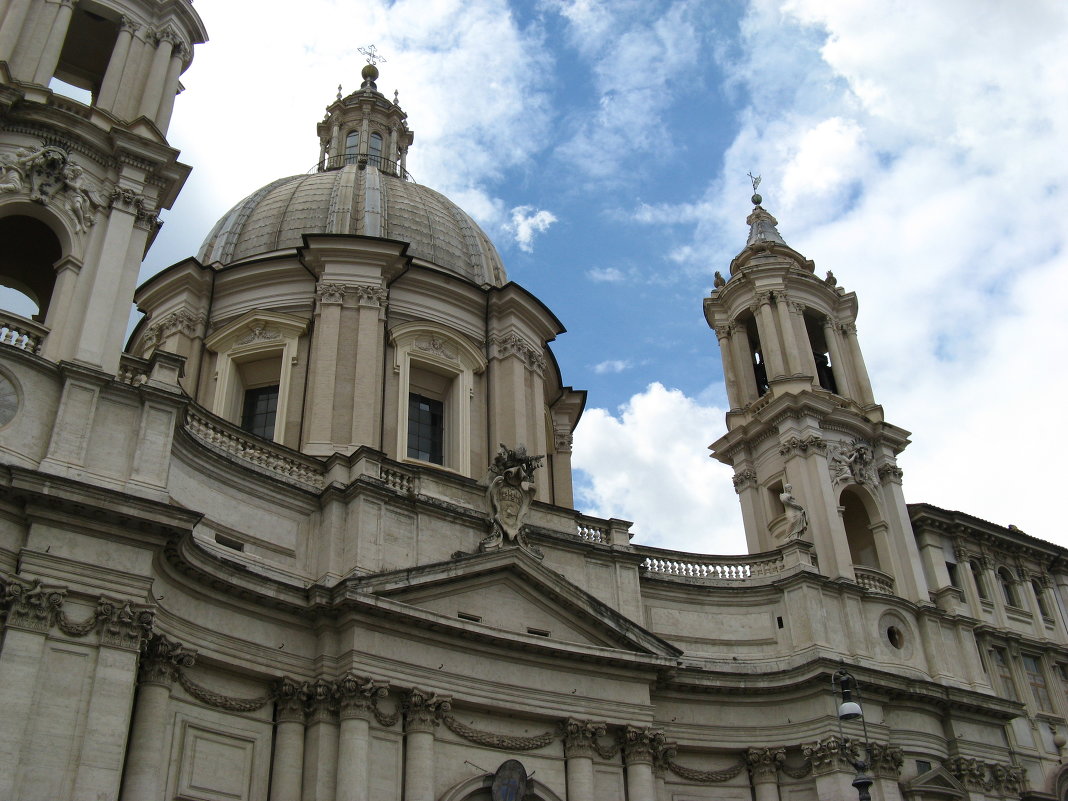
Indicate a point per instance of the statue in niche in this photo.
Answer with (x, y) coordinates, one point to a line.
(510, 492)
(795, 514)
(852, 463)
(509, 782)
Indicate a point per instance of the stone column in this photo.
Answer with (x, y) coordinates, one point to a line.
(320, 743)
(29, 618)
(170, 87)
(288, 765)
(157, 74)
(804, 344)
(109, 88)
(11, 29)
(794, 363)
(319, 412)
(146, 763)
(831, 769)
(730, 370)
(562, 445)
(886, 762)
(843, 376)
(357, 695)
(856, 358)
(661, 760)
(46, 64)
(764, 771)
(743, 360)
(769, 336)
(366, 424)
(579, 736)
(640, 747)
(422, 714)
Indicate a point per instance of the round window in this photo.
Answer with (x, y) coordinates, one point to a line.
(895, 637)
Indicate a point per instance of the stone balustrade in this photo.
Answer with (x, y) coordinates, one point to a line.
(134, 371)
(18, 332)
(592, 529)
(701, 567)
(874, 580)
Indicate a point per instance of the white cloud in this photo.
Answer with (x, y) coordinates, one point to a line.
(526, 222)
(650, 465)
(612, 366)
(605, 275)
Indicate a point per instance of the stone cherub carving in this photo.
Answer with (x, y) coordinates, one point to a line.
(510, 492)
(81, 200)
(46, 174)
(795, 514)
(852, 463)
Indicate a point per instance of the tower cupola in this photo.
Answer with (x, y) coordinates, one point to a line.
(365, 127)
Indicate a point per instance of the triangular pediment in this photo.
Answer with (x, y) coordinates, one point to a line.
(937, 783)
(509, 593)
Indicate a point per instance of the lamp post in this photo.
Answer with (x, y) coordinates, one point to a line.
(844, 686)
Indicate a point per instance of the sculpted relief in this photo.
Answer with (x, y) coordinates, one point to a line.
(852, 463)
(510, 492)
(46, 174)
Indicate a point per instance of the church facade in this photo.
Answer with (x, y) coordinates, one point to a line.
(309, 534)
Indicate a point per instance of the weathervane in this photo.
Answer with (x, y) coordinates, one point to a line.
(756, 182)
(373, 56)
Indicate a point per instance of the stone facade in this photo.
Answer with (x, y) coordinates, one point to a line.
(319, 609)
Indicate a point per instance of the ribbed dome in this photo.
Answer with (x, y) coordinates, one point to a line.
(355, 200)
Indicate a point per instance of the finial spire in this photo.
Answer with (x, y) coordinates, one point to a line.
(373, 56)
(339, 91)
(755, 179)
(370, 71)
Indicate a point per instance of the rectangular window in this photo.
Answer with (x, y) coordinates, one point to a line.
(1004, 673)
(426, 429)
(258, 411)
(954, 577)
(1037, 679)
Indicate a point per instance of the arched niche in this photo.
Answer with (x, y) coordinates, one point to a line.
(862, 523)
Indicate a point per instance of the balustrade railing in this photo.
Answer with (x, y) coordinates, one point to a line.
(874, 580)
(133, 371)
(722, 568)
(232, 441)
(362, 160)
(18, 332)
(592, 530)
(396, 480)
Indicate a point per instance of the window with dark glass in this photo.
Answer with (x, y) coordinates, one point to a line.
(257, 414)
(1000, 659)
(980, 583)
(1008, 587)
(426, 429)
(1040, 597)
(1037, 679)
(352, 147)
(374, 149)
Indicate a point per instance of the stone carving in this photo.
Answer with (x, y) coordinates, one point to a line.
(581, 739)
(718, 282)
(258, 331)
(321, 702)
(220, 701)
(180, 321)
(764, 763)
(852, 463)
(437, 346)
(368, 295)
(642, 744)
(30, 604)
(513, 344)
(795, 514)
(290, 698)
(706, 776)
(743, 479)
(357, 694)
(423, 710)
(509, 782)
(886, 760)
(830, 280)
(890, 472)
(47, 173)
(830, 754)
(503, 742)
(331, 293)
(724, 331)
(762, 230)
(562, 439)
(975, 774)
(802, 444)
(162, 658)
(510, 492)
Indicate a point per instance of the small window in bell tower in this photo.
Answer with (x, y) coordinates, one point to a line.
(374, 150)
(760, 370)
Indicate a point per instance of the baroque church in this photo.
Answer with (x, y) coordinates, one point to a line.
(309, 534)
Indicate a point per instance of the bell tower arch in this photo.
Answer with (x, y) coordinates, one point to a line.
(812, 454)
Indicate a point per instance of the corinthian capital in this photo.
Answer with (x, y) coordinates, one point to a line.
(358, 694)
(580, 737)
(764, 762)
(642, 745)
(424, 710)
(162, 658)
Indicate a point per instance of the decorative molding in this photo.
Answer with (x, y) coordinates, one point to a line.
(368, 295)
(290, 698)
(724, 331)
(357, 695)
(502, 742)
(330, 293)
(424, 710)
(509, 493)
(706, 776)
(438, 347)
(162, 658)
(181, 321)
(829, 754)
(975, 774)
(563, 439)
(886, 760)
(848, 328)
(47, 174)
(220, 701)
(30, 604)
(802, 445)
(744, 479)
(642, 744)
(581, 739)
(514, 345)
(258, 332)
(764, 763)
(128, 24)
(890, 472)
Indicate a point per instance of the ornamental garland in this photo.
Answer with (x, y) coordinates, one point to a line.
(499, 741)
(223, 701)
(706, 776)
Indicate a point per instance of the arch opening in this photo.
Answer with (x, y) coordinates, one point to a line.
(858, 528)
(821, 353)
(27, 264)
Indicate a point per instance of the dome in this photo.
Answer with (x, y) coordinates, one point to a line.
(356, 199)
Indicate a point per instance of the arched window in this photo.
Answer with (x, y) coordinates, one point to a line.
(859, 535)
(1043, 607)
(1008, 586)
(352, 147)
(27, 262)
(820, 353)
(374, 149)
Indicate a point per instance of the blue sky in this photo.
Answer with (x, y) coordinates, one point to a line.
(914, 149)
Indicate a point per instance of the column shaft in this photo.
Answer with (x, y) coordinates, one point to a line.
(640, 786)
(107, 724)
(842, 374)
(769, 341)
(794, 365)
(11, 28)
(288, 761)
(170, 91)
(580, 778)
(320, 761)
(743, 360)
(20, 657)
(109, 89)
(46, 65)
(860, 371)
(157, 74)
(766, 790)
(354, 760)
(144, 761)
(320, 410)
(730, 372)
(419, 766)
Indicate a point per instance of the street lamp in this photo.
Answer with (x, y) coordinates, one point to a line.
(844, 686)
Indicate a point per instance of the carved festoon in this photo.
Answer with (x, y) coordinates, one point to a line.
(510, 491)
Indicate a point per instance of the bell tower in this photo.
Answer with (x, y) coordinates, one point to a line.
(82, 181)
(813, 457)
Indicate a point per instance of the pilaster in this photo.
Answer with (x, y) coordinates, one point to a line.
(423, 712)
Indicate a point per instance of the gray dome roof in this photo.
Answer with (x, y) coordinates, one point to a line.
(352, 200)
